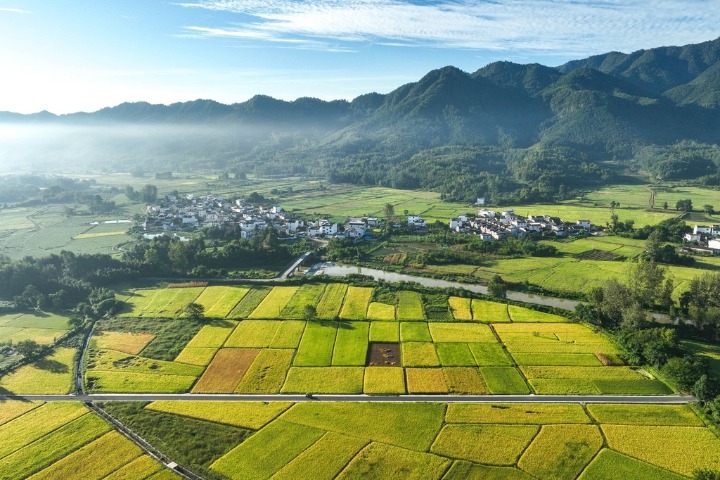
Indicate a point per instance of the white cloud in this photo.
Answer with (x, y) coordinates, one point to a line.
(13, 10)
(549, 26)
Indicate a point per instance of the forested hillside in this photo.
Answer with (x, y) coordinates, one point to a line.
(508, 132)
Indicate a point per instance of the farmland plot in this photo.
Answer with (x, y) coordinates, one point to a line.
(381, 311)
(267, 372)
(226, 370)
(461, 308)
(461, 332)
(331, 301)
(253, 334)
(561, 451)
(410, 306)
(249, 302)
(324, 380)
(48, 375)
(125, 342)
(316, 345)
(384, 332)
(274, 303)
(356, 303)
(351, 344)
(307, 295)
(226, 303)
(486, 311)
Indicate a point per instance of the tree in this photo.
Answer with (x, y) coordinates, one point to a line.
(684, 205)
(709, 209)
(149, 193)
(497, 287)
(194, 310)
(309, 312)
(665, 205)
(28, 348)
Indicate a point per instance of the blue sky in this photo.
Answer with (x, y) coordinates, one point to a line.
(82, 55)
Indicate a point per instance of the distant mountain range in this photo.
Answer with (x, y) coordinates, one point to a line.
(655, 111)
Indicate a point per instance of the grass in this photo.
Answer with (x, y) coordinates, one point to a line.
(126, 342)
(678, 449)
(384, 380)
(486, 444)
(267, 451)
(485, 311)
(249, 302)
(324, 380)
(48, 321)
(267, 372)
(384, 332)
(52, 447)
(288, 334)
(307, 295)
(94, 461)
(409, 425)
(410, 306)
(419, 354)
(489, 355)
(252, 415)
(253, 334)
(35, 424)
(316, 345)
(455, 355)
(710, 352)
(331, 301)
(465, 381)
(516, 413)
(43, 336)
(381, 311)
(425, 380)
(226, 370)
(504, 380)
(522, 314)
(49, 375)
(388, 461)
(225, 304)
(315, 462)
(627, 414)
(414, 332)
(356, 303)
(274, 303)
(461, 308)
(461, 332)
(561, 451)
(351, 344)
(611, 464)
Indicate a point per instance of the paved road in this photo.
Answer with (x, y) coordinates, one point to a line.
(146, 397)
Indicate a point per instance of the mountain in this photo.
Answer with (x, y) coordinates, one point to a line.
(507, 131)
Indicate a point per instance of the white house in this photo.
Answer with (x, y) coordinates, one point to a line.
(702, 229)
(692, 237)
(714, 244)
(584, 224)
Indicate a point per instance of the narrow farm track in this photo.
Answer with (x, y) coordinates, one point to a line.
(151, 397)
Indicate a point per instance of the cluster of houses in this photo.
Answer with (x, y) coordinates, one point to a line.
(189, 213)
(490, 225)
(706, 237)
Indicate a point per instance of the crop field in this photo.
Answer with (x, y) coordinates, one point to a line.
(356, 303)
(326, 380)
(351, 344)
(425, 381)
(48, 375)
(464, 381)
(224, 305)
(414, 332)
(522, 314)
(384, 380)
(384, 332)
(166, 302)
(253, 333)
(331, 301)
(307, 295)
(410, 306)
(401, 440)
(274, 303)
(131, 343)
(461, 332)
(226, 370)
(455, 355)
(505, 380)
(267, 372)
(485, 311)
(43, 328)
(419, 354)
(592, 380)
(249, 302)
(288, 334)
(213, 335)
(317, 345)
(381, 311)
(461, 308)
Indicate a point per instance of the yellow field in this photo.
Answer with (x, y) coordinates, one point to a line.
(461, 308)
(253, 415)
(131, 343)
(273, 304)
(226, 370)
(425, 380)
(52, 374)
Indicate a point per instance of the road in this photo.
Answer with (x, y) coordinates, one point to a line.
(149, 397)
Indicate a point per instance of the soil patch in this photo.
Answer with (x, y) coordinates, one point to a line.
(598, 255)
(383, 355)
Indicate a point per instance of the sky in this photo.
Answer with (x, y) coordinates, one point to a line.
(83, 55)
